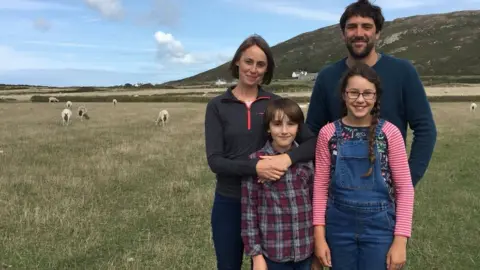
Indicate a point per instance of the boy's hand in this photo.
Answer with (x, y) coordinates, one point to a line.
(322, 251)
(259, 263)
(397, 255)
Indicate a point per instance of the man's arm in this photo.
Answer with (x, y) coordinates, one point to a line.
(317, 114)
(306, 149)
(214, 148)
(420, 120)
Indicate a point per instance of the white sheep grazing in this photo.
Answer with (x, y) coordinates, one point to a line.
(163, 116)
(52, 99)
(114, 102)
(66, 115)
(82, 113)
(68, 104)
(473, 107)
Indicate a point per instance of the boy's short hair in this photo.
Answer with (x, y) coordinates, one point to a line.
(363, 8)
(289, 107)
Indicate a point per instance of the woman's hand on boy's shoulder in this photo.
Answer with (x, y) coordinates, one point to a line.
(281, 161)
(272, 168)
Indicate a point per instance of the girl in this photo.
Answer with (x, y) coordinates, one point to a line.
(234, 130)
(363, 193)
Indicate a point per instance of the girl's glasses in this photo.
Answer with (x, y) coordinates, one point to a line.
(366, 95)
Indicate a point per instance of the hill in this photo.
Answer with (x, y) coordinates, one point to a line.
(437, 44)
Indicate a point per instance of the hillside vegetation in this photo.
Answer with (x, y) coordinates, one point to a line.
(444, 45)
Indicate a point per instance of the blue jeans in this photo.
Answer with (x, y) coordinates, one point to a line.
(302, 265)
(226, 232)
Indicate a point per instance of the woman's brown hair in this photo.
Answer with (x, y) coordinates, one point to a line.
(247, 43)
(364, 71)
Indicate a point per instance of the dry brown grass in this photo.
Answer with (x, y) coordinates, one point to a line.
(99, 193)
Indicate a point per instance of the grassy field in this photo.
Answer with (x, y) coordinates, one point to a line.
(117, 192)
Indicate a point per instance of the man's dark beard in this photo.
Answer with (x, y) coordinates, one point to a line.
(365, 53)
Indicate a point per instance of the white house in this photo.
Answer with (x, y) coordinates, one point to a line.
(299, 73)
(220, 82)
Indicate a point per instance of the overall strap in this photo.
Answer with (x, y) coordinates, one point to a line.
(378, 130)
(338, 129)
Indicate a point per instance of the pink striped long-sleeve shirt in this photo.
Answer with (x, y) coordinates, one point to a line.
(395, 170)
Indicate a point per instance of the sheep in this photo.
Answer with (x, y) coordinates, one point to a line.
(66, 115)
(52, 99)
(82, 113)
(114, 102)
(68, 104)
(163, 116)
(473, 107)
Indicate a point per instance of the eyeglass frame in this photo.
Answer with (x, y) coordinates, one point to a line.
(360, 94)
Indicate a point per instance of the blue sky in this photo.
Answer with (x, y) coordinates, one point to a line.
(110, 42)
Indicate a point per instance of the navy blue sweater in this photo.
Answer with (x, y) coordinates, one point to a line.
(233, 131)
(404, 102)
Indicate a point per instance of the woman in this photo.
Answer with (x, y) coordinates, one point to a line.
(233, 131)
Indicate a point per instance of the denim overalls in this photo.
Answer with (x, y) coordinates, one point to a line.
(360, 216)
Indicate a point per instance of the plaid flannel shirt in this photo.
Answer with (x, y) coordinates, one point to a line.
(277, 219)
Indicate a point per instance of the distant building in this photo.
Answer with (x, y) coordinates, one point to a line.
(304, 75)
(299, 73)
(220, 82)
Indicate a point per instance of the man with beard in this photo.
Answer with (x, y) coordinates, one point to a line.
(404, 102)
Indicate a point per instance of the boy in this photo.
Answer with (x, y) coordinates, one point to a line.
(277, 219)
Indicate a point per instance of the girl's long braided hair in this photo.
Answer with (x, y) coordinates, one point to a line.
(364, 71)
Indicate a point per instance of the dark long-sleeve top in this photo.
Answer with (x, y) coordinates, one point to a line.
(234, 130)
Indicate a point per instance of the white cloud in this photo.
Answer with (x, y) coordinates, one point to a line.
(173, 49)
(28, 5)
(108, 8)
(173, 46)
(185, 59)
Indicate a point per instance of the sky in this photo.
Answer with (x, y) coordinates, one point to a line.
(112, 42)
